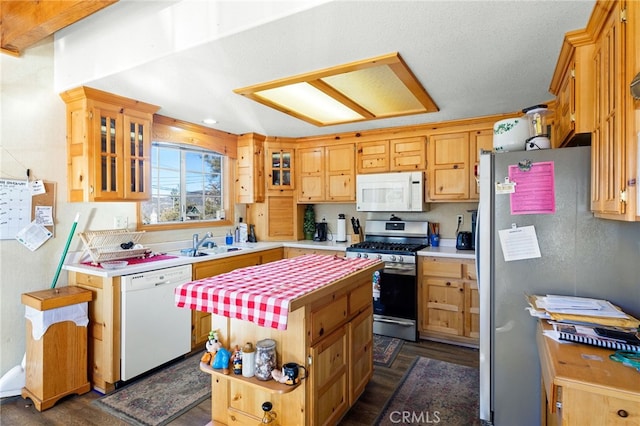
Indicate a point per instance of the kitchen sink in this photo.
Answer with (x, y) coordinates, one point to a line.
(206, 252)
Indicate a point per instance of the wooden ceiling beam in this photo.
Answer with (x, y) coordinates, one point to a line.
(24, 23)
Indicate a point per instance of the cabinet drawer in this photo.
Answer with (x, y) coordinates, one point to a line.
(442, 268)
(580, 407)
(360, 298)
(328, 317)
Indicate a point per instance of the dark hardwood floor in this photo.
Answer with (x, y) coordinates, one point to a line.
(79, 410)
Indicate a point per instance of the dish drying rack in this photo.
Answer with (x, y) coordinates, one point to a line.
(105, 245)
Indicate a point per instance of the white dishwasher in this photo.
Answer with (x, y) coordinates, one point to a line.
(153, 329)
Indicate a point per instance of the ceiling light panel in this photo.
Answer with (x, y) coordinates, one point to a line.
(308, 101)
(380, 87)
(378, 90)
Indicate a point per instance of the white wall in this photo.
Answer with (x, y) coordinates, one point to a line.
(32, 136)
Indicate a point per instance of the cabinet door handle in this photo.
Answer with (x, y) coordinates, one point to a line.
(623, 413)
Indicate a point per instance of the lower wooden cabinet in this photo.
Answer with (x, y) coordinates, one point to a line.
(330, 333)
(582, 386)
(329, 378)
(103, 334)
(201, 321)
(449, 304)
(360, 333)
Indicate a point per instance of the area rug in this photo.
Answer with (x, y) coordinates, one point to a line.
(434, 392)
(385, 349)
(160, 397)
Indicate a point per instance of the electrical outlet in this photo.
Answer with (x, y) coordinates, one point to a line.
(459, 219)
(120, 222)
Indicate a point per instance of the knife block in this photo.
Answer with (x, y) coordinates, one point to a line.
(355, 238)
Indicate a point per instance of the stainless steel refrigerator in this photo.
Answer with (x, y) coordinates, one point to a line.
(579, 255)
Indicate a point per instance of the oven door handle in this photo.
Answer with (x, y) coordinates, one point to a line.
(390, 321)
(400, 269)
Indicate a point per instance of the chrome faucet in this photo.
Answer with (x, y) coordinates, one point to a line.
(197, 242)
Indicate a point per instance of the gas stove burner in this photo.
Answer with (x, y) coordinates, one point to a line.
(386, 247)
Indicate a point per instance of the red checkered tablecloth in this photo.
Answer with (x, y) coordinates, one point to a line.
(261, 294)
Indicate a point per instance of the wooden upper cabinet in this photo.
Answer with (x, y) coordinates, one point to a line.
(279, 166)
(407, 154)
(392, 155)
(573, 84)
(480, 140)
(373, 156)
(108, 146)
(608, 162)
(250, 185)
(24, 23)
(340, 172)
(448, 167)
(310, 174)
(326, 173)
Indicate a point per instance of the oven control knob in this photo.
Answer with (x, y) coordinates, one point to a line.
(393, 258)
(400, 259)
(366, 256)
(379, 256)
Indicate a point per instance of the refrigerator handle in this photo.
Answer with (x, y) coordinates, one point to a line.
(477, 245)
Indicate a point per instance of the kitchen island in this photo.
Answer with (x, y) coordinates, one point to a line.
(322, 320)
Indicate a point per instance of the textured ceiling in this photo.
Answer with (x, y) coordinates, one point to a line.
(474, 58)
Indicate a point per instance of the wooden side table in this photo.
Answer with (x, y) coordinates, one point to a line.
(56, 363)
(582, 386)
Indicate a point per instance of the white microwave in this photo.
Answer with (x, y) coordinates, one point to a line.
(390, 192)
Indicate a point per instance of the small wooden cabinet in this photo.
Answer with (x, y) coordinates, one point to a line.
(448, 167)
(449, 304)
(407, 154)
(340, 178)
(108, 146)
(250, 183)
(391, 155)
(613, 145)
(201, 321)
(479, 140)
(573, 84)
(582, 386)
(280, 166)
(326, 173)
(452, 164)
(56, 361)
(373, 157)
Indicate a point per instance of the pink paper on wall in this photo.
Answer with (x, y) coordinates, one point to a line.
(535, 189)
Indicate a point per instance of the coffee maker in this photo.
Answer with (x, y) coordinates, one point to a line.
(322, 229)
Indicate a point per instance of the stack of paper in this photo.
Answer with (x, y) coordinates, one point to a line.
(592, 321)
(580, 310)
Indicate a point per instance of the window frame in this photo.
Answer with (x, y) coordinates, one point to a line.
(170, 130)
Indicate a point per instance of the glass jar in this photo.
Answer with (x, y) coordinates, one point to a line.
(265, 359)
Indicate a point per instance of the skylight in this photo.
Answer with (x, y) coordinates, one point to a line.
(370, 89)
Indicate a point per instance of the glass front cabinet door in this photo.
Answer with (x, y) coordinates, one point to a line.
(280, 161)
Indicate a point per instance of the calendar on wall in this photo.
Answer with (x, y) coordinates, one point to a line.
(15, 207)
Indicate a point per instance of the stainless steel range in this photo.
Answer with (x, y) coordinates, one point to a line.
(395, 296)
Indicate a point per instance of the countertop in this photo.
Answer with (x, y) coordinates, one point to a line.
(446, 249)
